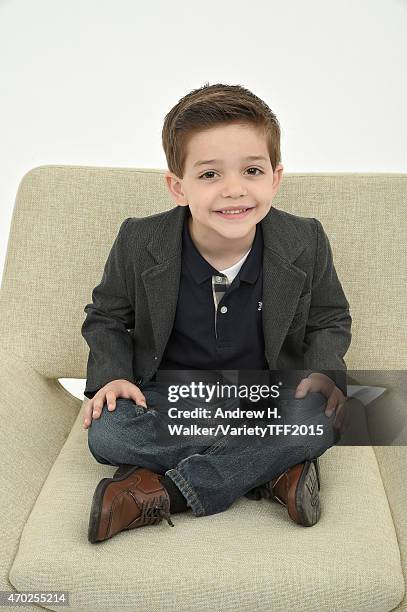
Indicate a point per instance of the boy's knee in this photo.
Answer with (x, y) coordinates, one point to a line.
(97, 455)
(106, 433)
(317, 445)
(99, 439)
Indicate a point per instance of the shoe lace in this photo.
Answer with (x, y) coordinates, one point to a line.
(266, 490)
(153, 511)
(271, 487)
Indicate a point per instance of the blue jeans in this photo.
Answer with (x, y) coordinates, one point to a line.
(213, 471)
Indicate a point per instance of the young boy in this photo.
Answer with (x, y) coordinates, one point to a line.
(201, 288)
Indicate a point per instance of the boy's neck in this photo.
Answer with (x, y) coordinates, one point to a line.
(224, 254)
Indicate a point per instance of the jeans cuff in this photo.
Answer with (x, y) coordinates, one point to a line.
(187, 491)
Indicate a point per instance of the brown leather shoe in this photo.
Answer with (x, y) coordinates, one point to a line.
(132, 499)
(297, 489)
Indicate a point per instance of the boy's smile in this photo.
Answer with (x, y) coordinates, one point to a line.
(226, 167)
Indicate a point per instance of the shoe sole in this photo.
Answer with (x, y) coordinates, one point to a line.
(96, 509)
(307, 495)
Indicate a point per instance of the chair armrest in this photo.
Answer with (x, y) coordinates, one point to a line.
(36, 416)
(392, 460)
(386, 419)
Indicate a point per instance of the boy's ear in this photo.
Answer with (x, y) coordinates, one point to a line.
(278, 175)
(174, 186)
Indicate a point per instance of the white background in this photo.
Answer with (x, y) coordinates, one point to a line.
(89, 81)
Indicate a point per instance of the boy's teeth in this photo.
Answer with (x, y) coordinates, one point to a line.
(233, 212)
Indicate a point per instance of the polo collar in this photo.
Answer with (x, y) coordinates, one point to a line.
(202, 270)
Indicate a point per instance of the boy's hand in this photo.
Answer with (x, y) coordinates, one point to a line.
(109, 393)
(336, 399)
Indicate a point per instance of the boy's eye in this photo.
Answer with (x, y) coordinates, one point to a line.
(213, 172)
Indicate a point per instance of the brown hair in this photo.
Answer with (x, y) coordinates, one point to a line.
(212, 105)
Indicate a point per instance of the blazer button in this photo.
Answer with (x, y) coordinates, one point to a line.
(155, 357)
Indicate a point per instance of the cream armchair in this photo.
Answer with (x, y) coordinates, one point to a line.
(250, 557)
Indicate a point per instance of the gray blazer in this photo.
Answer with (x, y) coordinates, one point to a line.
(305, 314)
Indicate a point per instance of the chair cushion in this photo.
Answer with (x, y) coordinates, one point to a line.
(251, 557)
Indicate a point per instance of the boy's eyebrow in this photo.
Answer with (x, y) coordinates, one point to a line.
(215, 161)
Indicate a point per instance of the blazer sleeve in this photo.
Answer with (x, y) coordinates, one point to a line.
(108, 319)
(328, 330)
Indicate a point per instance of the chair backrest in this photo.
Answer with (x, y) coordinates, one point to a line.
(65, 219)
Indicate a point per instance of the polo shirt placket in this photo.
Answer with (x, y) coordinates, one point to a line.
(232, 339)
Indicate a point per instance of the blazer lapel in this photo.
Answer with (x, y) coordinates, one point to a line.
(282, 280)
(162, 280)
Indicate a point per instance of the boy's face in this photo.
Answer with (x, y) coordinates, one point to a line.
(232, 181)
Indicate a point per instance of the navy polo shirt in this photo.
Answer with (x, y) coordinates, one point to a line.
(218, 324)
